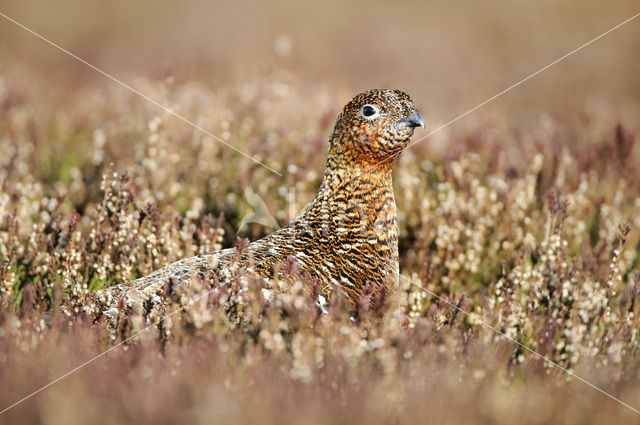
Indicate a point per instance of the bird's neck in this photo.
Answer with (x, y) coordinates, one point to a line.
(342, 178)
(367, 189)
(347, 169)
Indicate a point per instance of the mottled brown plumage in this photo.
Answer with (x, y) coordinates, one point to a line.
(348, 235)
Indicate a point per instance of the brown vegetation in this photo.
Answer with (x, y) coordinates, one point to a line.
(531, 227)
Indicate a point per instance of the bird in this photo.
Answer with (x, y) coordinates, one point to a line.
(346, 238)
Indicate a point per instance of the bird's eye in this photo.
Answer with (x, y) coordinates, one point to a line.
(370, 111)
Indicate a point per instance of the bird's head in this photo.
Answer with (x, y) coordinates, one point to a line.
(374, 126)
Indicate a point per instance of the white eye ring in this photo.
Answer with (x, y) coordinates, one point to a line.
(370, 112)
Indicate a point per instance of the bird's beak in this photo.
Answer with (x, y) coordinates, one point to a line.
(412, 121)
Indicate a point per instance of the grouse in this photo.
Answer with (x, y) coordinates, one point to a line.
(347, 237)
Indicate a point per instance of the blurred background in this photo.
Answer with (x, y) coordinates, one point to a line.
(99, 186)
(449, 56)
(270, 78)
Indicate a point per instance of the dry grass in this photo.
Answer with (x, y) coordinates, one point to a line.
(531, 226)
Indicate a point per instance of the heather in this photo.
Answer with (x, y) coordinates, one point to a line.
(529, 224)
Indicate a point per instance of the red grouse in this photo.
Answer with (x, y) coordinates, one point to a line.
(347, 236)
